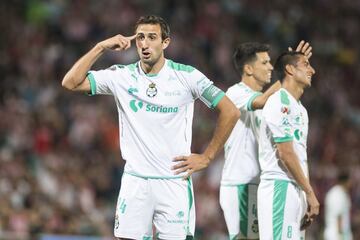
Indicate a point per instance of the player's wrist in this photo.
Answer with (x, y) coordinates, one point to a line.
(99, 47)
(309, 192)
(208, 157)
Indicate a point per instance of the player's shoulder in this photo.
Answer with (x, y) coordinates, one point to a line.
(123, 68)
(336, 193)
(239, 89)
(277, 98)
(179, 67)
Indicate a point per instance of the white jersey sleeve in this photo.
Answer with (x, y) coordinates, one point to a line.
(102, 81)
(242, 96)
(277, 116)
(203, 88)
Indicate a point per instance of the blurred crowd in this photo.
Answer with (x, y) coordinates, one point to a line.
(60, 165)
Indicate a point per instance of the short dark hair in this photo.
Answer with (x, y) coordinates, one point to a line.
(152, 19)
(284, 59)
(343, 176)
(246, 53)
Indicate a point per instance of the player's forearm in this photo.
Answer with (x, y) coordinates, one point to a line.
(260, 101)
(77, 74)
(227, 119)
(291, 162)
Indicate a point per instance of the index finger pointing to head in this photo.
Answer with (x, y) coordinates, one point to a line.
(131, 37)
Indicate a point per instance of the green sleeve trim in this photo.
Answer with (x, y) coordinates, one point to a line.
(92, 81)
(217, 99)
(283, 139)
(249, 104)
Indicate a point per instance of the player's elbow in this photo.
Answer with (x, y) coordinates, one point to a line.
(236, 114)
(258, 102)
(67, 83)
(233, 114)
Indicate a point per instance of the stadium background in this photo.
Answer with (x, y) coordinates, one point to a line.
(60, 167)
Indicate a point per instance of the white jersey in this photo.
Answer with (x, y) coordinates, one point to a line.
(241, 149)
(283, 119)
(337, 204)
(155, 112)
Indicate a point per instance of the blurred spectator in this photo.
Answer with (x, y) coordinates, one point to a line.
(338, 210)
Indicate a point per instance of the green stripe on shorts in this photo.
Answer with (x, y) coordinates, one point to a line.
(279, 199)
(190, 199)
(243, 196)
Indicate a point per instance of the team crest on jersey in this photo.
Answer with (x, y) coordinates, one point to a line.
(151, 91)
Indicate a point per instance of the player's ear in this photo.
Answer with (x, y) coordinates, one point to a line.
(166, 43)
(289, 69)
(248, 69)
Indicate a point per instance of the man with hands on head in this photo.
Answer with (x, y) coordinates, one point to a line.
(286, 201)
(155, 101)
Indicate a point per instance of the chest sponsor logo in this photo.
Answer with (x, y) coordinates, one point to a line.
(136, 105)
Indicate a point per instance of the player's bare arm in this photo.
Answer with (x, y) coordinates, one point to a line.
(74, 79)
(259, 101)
(228, 116)
(287, 155)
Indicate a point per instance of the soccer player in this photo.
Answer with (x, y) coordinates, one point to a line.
(284, 179)
(155, 100)
(337, 210)
(240, 177)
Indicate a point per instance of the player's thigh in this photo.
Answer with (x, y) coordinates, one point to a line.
(239, 204)
(134, 209)
(279, 208)
(292, 213)
(229, 202)
(174, 216)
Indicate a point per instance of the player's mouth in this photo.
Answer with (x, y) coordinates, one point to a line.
(146, 54)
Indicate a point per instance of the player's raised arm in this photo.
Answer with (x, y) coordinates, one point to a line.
(228, 116)
(259, 101)
(74, 79)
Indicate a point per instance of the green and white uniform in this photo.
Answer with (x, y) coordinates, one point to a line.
(337, 204)
(155, 119)
(240, 177)
(281, 202)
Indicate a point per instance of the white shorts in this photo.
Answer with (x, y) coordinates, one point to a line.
(166, 203)
(239, 204)
(281, 206)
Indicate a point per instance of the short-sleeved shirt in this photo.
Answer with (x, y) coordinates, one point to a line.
(283, 119)
(241, 149)
(337, 204)
(155, 112)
